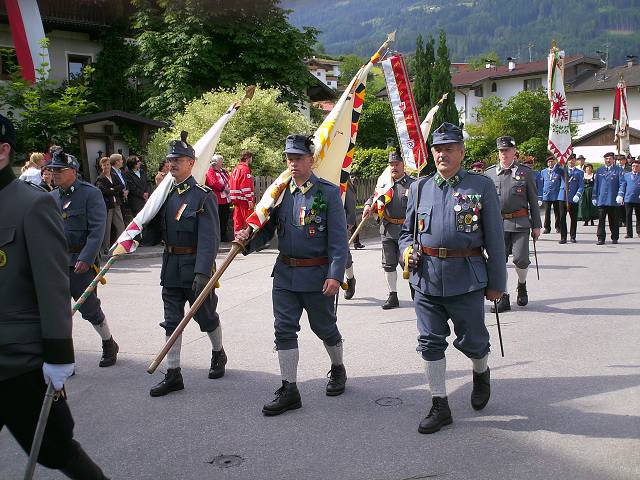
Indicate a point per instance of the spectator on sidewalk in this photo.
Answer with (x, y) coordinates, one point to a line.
(241, 191)
(111, 193)
(47, 180)
(164, 168)
(31, 169)
(138, 184)
(218, 180)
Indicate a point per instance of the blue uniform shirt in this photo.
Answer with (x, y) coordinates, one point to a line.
(630, 187)
(461, 213)
(550, 183)
(85, 218)
(607, 185)
(576, 184)
(311, 223)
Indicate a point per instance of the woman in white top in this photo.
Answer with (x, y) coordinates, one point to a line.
(32, 168)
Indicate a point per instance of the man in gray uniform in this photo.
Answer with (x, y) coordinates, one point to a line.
(85, 216)
(457, 260)
(391, 223)
(189, 227)
(516, 187)
(35, 319)
(312, 239)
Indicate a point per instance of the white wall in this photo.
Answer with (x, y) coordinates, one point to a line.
(603, 99)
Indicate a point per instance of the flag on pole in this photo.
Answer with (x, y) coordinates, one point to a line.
(334, 142)
(405, 113)
(425, 126)
(27, 33)
(559, 132)
(621, 117)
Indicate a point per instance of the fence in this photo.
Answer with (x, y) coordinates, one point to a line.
(364, 187)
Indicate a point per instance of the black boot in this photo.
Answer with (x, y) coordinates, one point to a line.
(81, 467)
(110, 351)
(504, 304)
(392, 301)
(218, 361)
(172, 383)
(438, 417)
(481, 389)
(337, 380)
(523, 297)
(351, 288)
(287, 398)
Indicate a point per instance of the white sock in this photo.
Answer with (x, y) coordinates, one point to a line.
(392, 280)
(103, 330)
(436, 371)
(173, 356)
(480, 365)
(216, 338)
(288, 360)
(522, 274)
(349, 272)
(335, 353)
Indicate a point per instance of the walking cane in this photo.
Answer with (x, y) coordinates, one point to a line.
(39, 433)
(535, 255)
(495, 306)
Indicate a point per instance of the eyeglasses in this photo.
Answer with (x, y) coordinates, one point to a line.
(58, 169)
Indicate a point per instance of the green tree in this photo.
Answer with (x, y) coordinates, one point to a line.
(479, 62)
(370, 162)
(189, 47)
(261, 126)
(376, 124)
(349, 67)
(424, 66)
(441, 83)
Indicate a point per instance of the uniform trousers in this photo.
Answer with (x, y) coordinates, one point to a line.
(390, 254)
(20, 405)
(573, 215)
(517, 244)
(287, 310)
(555, 204)
(466, 311)
(174, 299)
(90, 309)
(630, 208)
(610, 212)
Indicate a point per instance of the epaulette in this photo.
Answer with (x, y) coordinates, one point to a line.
(491, 167)
(525, 166)
(36, 187)
(204, 188)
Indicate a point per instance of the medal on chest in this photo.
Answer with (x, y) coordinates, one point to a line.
(467, 211)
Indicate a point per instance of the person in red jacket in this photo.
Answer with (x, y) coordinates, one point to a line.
(218, 181)
(241, 191)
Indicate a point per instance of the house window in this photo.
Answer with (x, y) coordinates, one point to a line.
(596, 113)
(478, 92)
(75, 64)
(8, 61)
(532, 83)
(494, 87)
(577, 115)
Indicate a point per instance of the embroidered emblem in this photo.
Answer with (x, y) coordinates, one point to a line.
(3, 258)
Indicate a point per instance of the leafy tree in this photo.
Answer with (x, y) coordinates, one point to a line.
(189, 47)
(349, 67)
(376, 125)
(261, 126)
(441, 83)
(370, 162)
(424, 69)
(479, 62)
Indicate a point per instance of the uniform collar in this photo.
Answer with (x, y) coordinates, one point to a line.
(401, 180)
(305, 187)
(184, 186)
(68, 191)
(453, 181)
(6, 176)
(499, 168)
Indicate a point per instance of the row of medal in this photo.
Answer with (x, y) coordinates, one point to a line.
(467, 221)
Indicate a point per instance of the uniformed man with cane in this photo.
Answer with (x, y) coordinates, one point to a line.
(189, 228)
(516, 187)
(312, 239)
(453, 239)
(36, 347)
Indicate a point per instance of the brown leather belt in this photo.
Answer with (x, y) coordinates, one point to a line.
(75, 248)
(523, 212)
(180, 250)
(395, 221)
(303, 262)
(448, 253)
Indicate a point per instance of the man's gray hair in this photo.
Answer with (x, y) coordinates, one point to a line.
(216, 158)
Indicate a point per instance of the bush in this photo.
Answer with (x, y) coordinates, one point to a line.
(370, 162)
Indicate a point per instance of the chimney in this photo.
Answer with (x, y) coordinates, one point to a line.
(487, 66)
(512, 64)
(631, 60)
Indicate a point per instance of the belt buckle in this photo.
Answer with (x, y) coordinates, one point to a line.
(293, 262)
(442, 252)
(508, 216)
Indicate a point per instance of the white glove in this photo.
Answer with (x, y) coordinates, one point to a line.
(539, 203)
(57, 374)
(576, 198)
(619, 200)
(595, 202)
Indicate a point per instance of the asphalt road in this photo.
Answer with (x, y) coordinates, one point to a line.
(565, 402)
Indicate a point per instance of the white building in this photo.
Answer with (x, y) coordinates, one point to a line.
(327, 71)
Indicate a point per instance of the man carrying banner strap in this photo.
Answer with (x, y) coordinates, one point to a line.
(312, 239)
(391, 223)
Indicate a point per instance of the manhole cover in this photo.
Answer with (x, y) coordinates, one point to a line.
(389, 401)
(227, 461)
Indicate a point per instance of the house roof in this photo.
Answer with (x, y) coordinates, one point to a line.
(319, 91)
(324, 61)
(115, 115)
(633, 132)
(605, 79)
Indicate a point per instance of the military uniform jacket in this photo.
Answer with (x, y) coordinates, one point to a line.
(311, 223)
(35, 316)
(397, 207)
(187, 218)
(459, 213)
(630, 188)
(350, 204)
(607, 185)
(85, 218)
(576, 184)
(516, 190)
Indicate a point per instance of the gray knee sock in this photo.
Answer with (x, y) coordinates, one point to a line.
(480, 364)
(289, 364)
(436, 371)
(335, 353)
(392, 280)
(349, 272)
(216, 338)
(173, 356)
(103, 330)
(522, 274)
